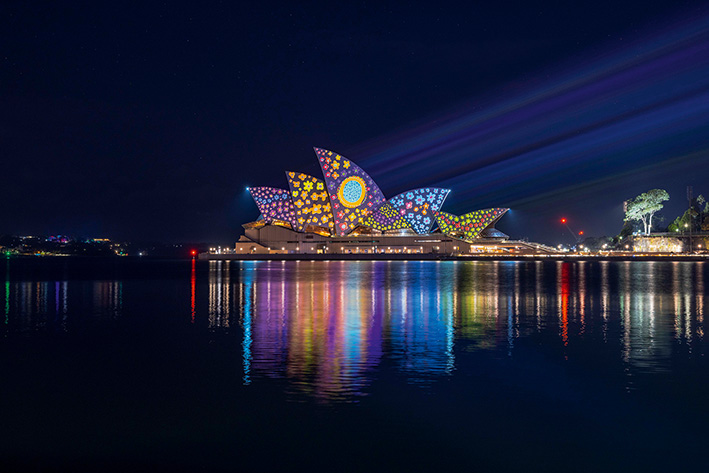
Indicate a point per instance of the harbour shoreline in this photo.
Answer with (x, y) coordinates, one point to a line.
(439, 257)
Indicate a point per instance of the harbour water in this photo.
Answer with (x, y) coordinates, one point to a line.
(116, 364)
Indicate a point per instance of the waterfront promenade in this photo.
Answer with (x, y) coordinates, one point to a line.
(605, 256)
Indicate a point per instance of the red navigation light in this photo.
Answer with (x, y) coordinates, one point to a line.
(193, 252)
(563, 220)
(581, 232)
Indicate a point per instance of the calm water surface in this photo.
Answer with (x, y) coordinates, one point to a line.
(344, 366)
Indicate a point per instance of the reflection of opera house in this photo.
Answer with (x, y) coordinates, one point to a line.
(348, 213)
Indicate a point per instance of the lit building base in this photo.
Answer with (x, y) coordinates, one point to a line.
(276, 239)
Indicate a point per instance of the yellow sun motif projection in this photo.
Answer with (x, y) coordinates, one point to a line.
(352, 192)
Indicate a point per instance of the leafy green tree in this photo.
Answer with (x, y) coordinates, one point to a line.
(618, 241)
(695, 217)
(683, 222)
(703, 213)
(645, 206)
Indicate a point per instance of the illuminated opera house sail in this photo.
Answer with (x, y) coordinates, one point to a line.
(346, 212)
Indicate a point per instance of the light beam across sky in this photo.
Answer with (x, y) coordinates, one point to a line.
(583, 138)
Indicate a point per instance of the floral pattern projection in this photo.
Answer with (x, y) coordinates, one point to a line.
(385, 218)
(311, 201)
(274, 204)
(353, 194)
(469, 225)
(418, 206)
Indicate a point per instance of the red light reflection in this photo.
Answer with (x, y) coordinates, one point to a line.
(193, 284)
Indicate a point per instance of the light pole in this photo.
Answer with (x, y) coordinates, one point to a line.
(576, 237)
(689, 201)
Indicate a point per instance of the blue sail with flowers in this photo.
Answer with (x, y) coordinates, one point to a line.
(274, 204)
(417, 206)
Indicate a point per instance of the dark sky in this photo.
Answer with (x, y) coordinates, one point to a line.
(135, 121)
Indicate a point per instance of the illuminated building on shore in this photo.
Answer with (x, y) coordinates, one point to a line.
(346, 212)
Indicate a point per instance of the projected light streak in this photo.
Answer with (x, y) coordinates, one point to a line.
(660, 80)
(666, 120)
(548, 96)
(683, 165)
(620, 146)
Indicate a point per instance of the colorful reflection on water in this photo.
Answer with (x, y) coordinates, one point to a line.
(31, 305)
(328, 325)
(329, 328)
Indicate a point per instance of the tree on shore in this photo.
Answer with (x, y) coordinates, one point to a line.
(645, 206)
(695, 218)
(683, 222)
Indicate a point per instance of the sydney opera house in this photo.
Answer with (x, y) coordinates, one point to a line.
(346, 213)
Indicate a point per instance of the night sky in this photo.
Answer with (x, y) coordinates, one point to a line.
(147, 122)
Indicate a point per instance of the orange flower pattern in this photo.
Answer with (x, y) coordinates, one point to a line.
(312, 203)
